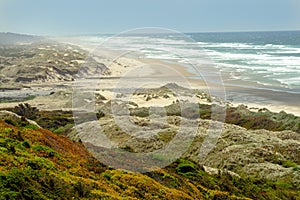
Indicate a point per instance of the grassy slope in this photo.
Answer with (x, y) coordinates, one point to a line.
(38, 164)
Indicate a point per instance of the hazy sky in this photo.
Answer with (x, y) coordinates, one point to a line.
(112, 16)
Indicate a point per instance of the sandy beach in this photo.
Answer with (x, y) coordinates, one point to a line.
(131, 71)
(254, 98)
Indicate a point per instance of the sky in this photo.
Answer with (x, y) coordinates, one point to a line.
(64, 17)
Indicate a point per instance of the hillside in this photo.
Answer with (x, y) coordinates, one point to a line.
(38, 164)
(13, 38)
(43, 62)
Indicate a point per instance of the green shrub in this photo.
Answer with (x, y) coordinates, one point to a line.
(107, 175)
(296, 168)
(288, 164)
(185, 167)
(31, 126)
(50, 152)
(63, 129)
(26, 144)
(81, 189)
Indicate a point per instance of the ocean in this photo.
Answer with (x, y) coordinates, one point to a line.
(267, 60)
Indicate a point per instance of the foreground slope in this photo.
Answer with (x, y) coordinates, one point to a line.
(38, 164)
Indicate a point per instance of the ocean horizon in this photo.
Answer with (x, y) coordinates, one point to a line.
(267, 60)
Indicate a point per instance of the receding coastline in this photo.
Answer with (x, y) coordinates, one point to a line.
(251, 95)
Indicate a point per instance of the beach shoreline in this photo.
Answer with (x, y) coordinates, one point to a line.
(251, 96)
(160, 72)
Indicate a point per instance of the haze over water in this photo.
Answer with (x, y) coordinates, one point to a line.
(269, 60)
